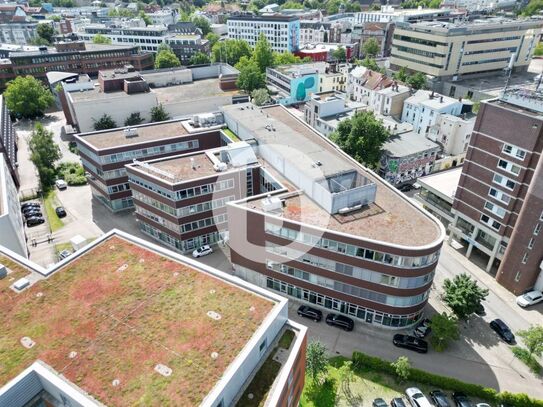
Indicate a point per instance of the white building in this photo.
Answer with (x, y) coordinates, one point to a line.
(312, 32)
(148, 38)
(163, 17)
(363, 82)
(453, 133)
(18, 33)
(389, 101)
(12, 234)
(479, 5)
(423, 109)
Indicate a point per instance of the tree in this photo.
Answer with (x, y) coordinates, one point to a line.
(370, 63)
(285, 58)
(199, 58)
(463, 295)
(339, 54)
(159, 114)
(27, 97)
(146, 19)
(213, 39)
(260, 96)
(263, 54)
(533, 7)
(291, 5)
(362, 137)
(402, 367)
(166, 59)
(44, 152)
(538, 50)
(105, 122)
(444, 329)
(401, 75)
(134, 119)
(417, 81)
(202, 23)
(46, 32)
(230, 51)
(533, 339)
(371, 48)
(55, 18)
(250, 77)
(315, 359)
(101, 39)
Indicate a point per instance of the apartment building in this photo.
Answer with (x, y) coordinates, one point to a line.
(424, 108)
(210, 331)
(282, 32)
(104, 154)
(8, 142)
(12, 234)
(163, 17)
(314, 32)
(20, 33)
(362, 83)
(453, 132)
(468, 49)
(389, 100)
(498, 207)
(326, 237)
(75, 57)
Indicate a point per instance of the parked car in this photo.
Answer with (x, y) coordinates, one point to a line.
(340, 321)
(410, 342)
(406, 188)
(61, 184)
(60, 211)
(416, 398)
(461, 400)
(63, 254)
(379, 403)
(34, 221)
(397, 402)
(530, 298)
(480, 310)
(422, 331)
(30, 209)
(33, 214)
(202, 251)
(439, 398)
(25, 205)
(503, 331)
(311, 313)
(482, 405)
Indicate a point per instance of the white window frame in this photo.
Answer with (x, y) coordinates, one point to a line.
(500, 195)
(495, 209)
(490, 222)
(525, 258)
(515, 151)
(509, 167)
(503, 181)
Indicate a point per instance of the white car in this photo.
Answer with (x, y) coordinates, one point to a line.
(202, 251)
(416, 398)
(61, 184)
(483, 405)
(530, 298)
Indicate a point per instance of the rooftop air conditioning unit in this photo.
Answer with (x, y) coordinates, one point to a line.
(130, 132)
(220, 167)
(270, 204)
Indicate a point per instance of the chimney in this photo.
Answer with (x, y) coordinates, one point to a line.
(459, 98)
(441, 99)
(432, 95)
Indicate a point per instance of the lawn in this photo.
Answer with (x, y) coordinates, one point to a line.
(50, 203)
(231, 134)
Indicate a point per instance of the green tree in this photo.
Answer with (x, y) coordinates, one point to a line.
(417, 81)
(159, 114)
(46, 31)
(533, 339)
(199, 58)
(402, 367)
(230, 51)
(202, 23)
(401, 75)
(44, 152)
(250, 77)
(370, 63)
(146, 19)
(164, 47)
(166, 59)
(134, 119)
(263, 54)
(362, 137)
(27, 97)
(101, 39)
(533, 7)
(291, 4)
(105, 122)
(332, 6)
(55, 18)
(315, 359)
(463, 295)
(444, 329)
(285, 58)
(339, 54)
(538, 50)
(371, 48)
(260, 96)
(213, 39)
(346, 375)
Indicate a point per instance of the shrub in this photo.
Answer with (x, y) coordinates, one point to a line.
(72, 173)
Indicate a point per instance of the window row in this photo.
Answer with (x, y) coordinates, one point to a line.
(514, 151)
(509, 167)
(148, 152)
(203, 223)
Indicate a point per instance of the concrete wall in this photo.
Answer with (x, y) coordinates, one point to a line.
(167, 77)
(12, 234)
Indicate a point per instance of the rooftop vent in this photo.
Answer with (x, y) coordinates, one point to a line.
(122, 268)
(214, 315)
(130, 132)
(219, 167)
(27, 342)
(271, 203)
(21, 284)
(3, 271)
(163, 370)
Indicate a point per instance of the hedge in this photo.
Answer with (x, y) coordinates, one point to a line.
(361, 361)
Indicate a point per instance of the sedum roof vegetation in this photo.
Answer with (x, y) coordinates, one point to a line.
(107, 318)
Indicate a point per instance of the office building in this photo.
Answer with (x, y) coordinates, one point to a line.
(12, 230)
(498, 206)
(291, 84)
(282, 32)
(314, 32)
(467, 49)
(335, 234)
(8, 142)
(124, 322)
(389, 14)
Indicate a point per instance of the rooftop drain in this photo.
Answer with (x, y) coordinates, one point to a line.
(39, 295)
(252, 309)
(115, 382)
(122, 268)
(112, 247)
(214, 315)
(142, 260)
(27, 342)
(212, 291)
(163, 370)
(214, 355)
(72, 354)
(175, 273)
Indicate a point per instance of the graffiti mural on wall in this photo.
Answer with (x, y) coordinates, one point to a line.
(301, 89)
(401, 170)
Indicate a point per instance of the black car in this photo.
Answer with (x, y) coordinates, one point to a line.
(439, 398)
(503, 331)
(397, 402)
(410, 342)
(379, 403)
(33, 214)
(311, 313)
(480, 310)
(406, 188)
(30, 209)
(340, 321)
(461, 400)
(422, 331)
(59, 210)
(25, 205)
(34, 221)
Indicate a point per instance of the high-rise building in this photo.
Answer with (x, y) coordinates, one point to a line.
(498, 206)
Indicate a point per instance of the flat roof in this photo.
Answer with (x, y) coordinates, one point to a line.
(108, 317)
(393, 218)
(444, 182)
(409, 143)
(184, 167)
(195, 91)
